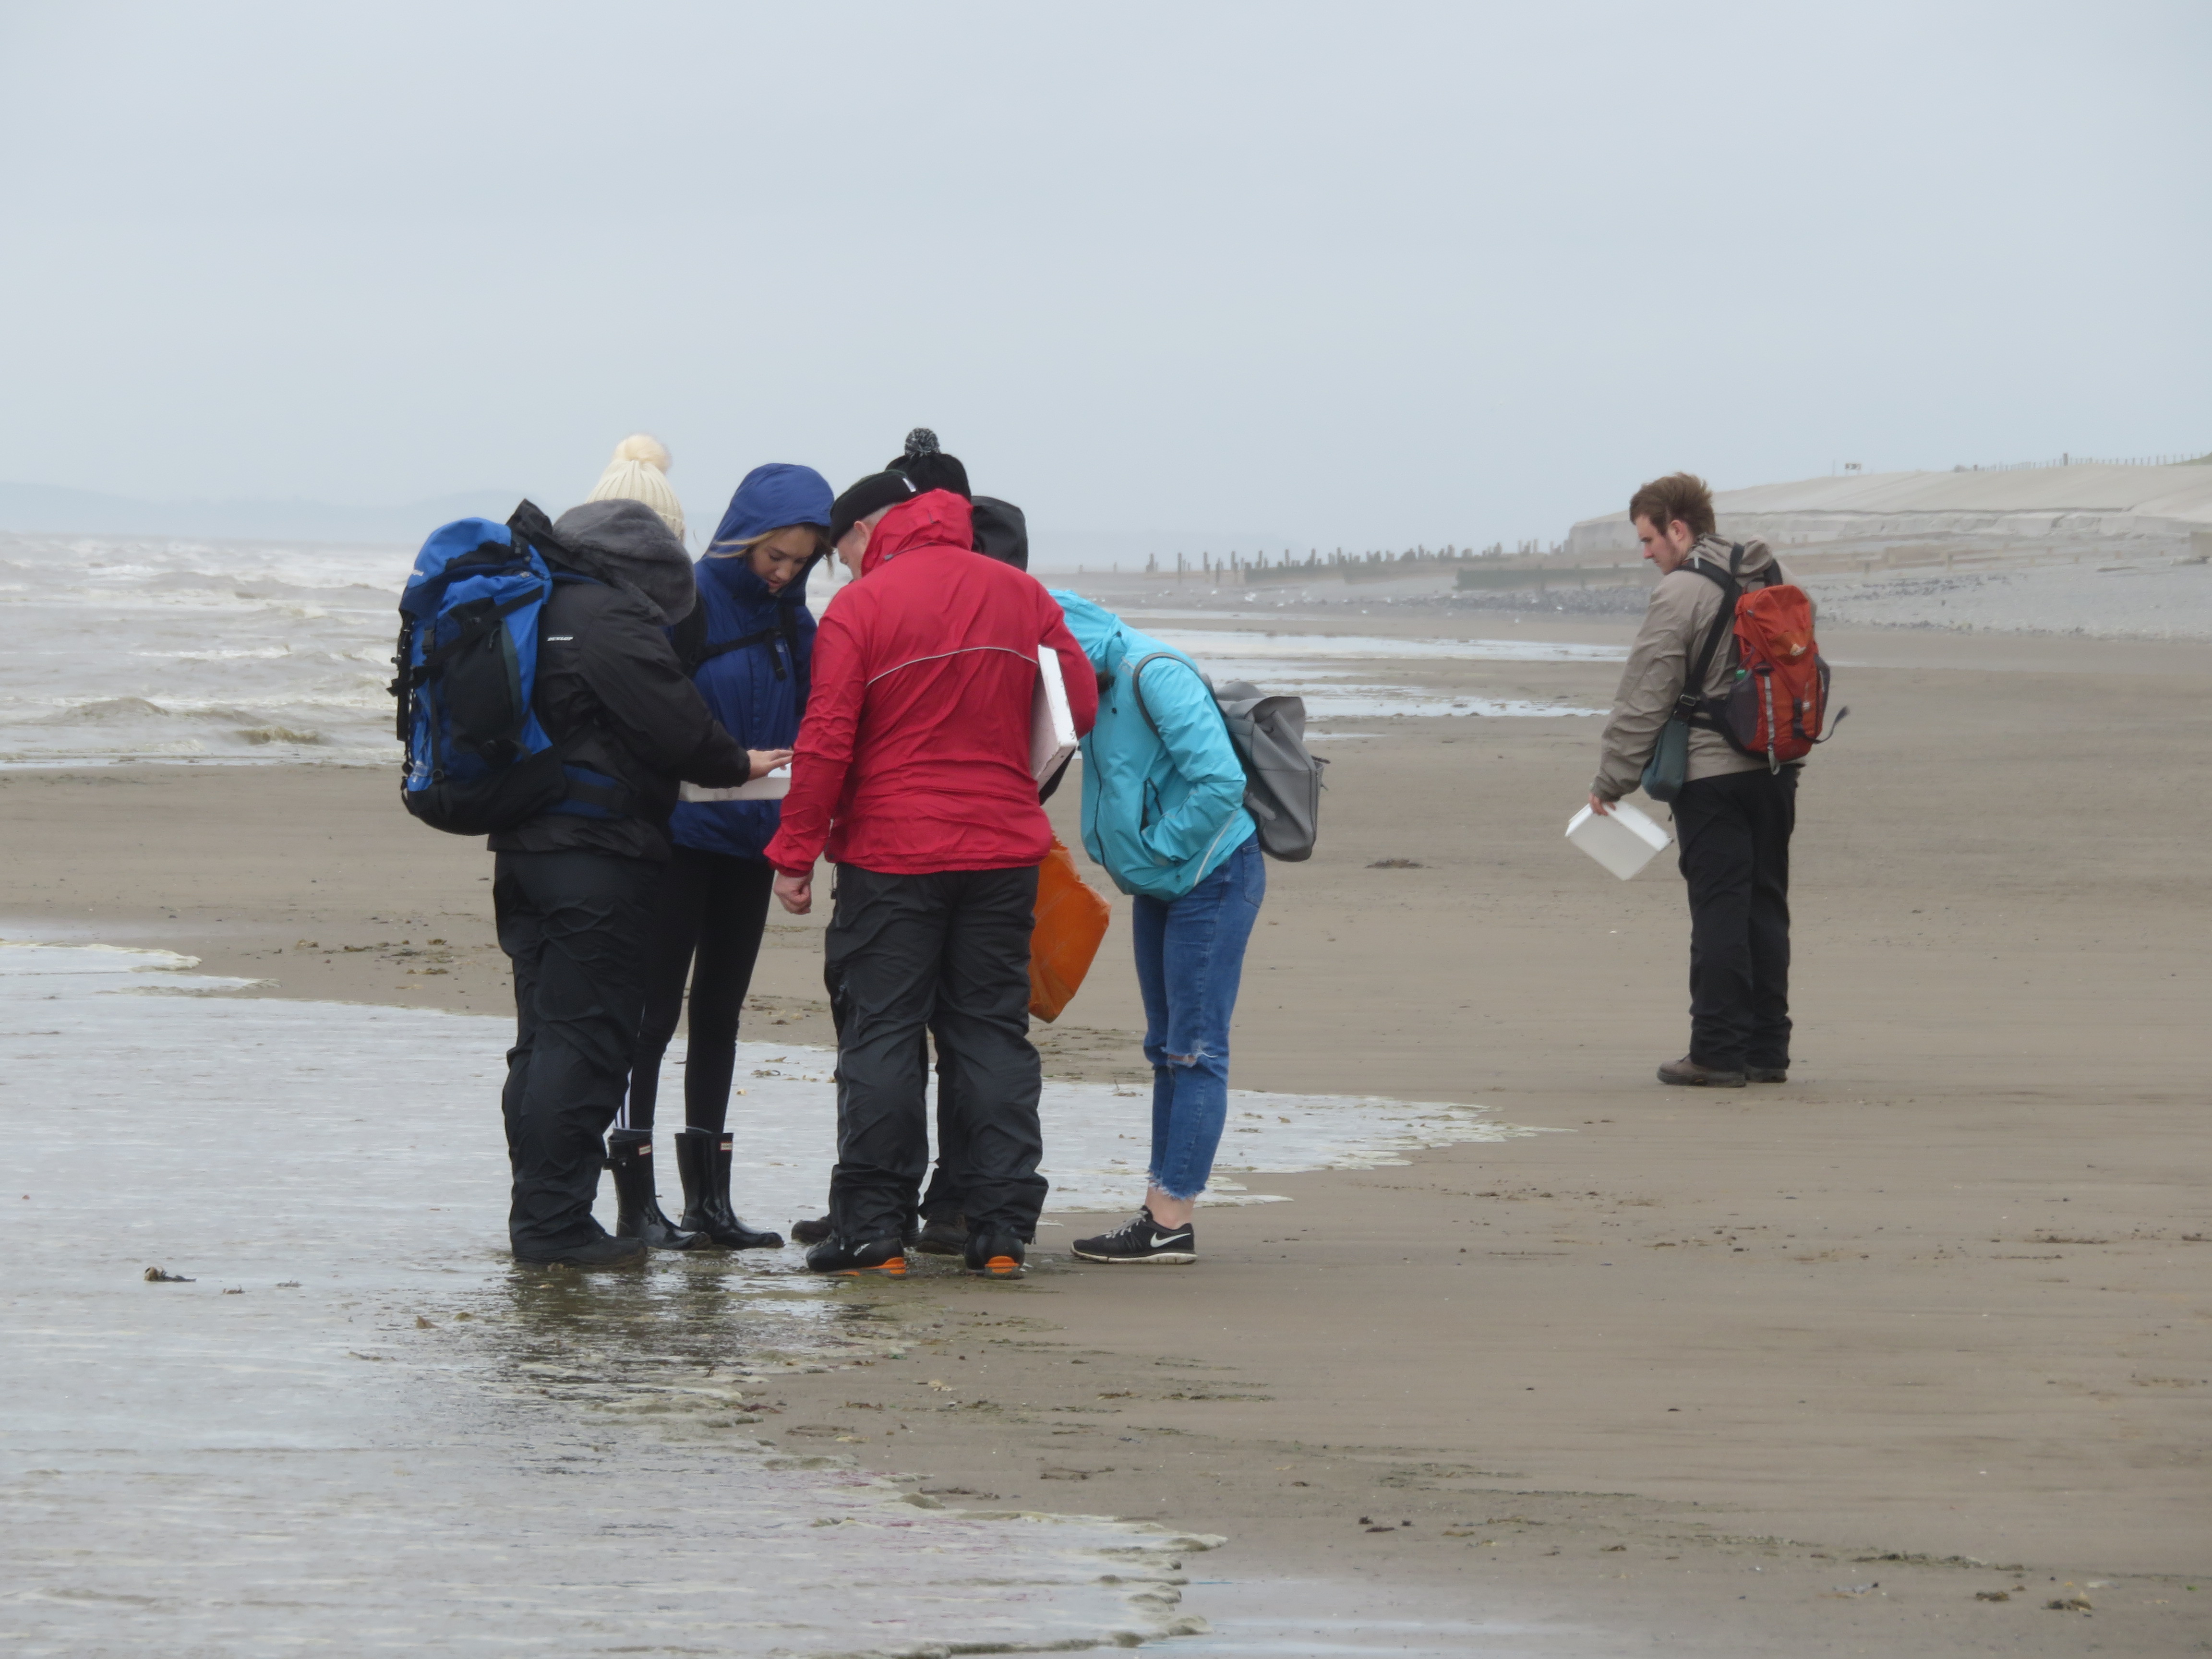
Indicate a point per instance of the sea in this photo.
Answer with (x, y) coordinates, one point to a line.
(195, 652)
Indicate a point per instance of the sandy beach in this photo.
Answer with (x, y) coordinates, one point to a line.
(1967, 1353)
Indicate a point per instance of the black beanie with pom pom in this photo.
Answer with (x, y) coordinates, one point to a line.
(929, 466)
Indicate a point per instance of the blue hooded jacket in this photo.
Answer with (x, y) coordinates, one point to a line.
(757, 692)
(1160, 811)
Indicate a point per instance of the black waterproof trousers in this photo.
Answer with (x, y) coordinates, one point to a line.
(576, 926)
(1734, 835)
(712, 909)
(950, 952)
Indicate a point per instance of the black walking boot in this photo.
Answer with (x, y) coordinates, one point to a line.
(637, 1207)
(834, 1255)
(703, 1160)
(994, 1255)
(942, 1235)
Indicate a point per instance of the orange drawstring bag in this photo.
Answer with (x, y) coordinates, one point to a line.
(1071, 920)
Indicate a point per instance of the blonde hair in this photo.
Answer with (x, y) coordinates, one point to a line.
(743, 547)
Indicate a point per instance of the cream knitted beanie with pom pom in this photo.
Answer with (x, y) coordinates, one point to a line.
(639, 473)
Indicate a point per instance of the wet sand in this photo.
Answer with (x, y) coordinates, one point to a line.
(1967, 1348)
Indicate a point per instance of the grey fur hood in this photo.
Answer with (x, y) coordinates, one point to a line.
(629, 546)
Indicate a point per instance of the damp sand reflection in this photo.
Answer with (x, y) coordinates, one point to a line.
(350, 1420)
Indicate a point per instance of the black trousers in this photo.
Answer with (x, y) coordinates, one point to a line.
(947, 1194)
(1734, 833)
(947, 951)
(576, 926)
(712, 910)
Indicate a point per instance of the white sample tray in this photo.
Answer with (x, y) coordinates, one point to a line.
(775, 786)
(1624, 840)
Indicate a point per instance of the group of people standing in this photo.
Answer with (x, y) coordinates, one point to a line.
(905, 719)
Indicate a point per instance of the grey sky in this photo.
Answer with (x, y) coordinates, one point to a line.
(1355, 274)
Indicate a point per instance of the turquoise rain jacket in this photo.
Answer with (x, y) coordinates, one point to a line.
(1159, 813)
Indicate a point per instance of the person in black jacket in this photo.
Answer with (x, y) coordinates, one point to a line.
(574, 888)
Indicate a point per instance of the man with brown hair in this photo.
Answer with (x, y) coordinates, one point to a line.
(1734, 814)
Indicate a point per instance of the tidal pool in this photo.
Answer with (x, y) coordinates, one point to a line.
(360, 1429)
(356, 1426)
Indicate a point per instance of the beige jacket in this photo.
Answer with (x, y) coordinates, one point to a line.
(1676, 621)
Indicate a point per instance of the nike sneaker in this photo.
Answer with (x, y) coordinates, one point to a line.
(1142, 1240)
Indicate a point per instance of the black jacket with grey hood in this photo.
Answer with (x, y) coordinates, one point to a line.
(609, 683)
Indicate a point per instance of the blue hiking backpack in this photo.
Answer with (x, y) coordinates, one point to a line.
(478, 762)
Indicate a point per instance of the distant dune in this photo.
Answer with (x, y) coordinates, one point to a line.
(2090, 505)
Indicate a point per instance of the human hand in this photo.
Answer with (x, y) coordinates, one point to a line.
(1601, 805)
(765, 761)
(795, 893)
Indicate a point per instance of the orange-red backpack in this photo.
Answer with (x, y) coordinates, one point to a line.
(1777, 705)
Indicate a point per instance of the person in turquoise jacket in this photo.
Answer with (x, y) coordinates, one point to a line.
(1164, 813)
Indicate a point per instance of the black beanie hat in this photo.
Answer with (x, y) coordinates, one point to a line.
(929, 466)
(871, 494)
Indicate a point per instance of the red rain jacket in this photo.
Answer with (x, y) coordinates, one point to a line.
(915, 754)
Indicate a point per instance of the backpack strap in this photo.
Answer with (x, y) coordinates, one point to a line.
(695, 652)
(1137, 685)
(436, 657)
(1693, 688)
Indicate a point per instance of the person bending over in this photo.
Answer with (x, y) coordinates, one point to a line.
(913, 773)
(749, 646)
(1163, 812)
(574, 888)
(1001, 532)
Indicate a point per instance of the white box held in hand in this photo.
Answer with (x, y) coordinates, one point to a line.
(1623, 839)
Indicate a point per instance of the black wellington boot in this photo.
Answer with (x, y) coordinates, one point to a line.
(637, 1207)
(703, 1160)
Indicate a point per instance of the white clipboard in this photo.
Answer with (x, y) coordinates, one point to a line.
(1052, 724)
(775, 786)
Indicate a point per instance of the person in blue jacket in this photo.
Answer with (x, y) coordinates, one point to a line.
(749, 645)
(1163, 813)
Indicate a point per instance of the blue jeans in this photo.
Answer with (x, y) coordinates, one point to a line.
(1190, 958)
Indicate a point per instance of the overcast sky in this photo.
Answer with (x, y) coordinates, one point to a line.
(1357, 274)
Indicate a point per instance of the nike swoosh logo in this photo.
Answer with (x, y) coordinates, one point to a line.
(1171, 1238)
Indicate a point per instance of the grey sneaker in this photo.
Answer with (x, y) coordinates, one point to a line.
(1687, 1073)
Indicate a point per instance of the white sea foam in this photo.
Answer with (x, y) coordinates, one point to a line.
(1258, 646)
(179, 650)
(145, 648)
(335, 1454)
(1326, 669)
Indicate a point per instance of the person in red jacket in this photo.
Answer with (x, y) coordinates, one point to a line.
(911, 773)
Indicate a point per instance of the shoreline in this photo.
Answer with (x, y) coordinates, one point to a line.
(1978, 1074)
